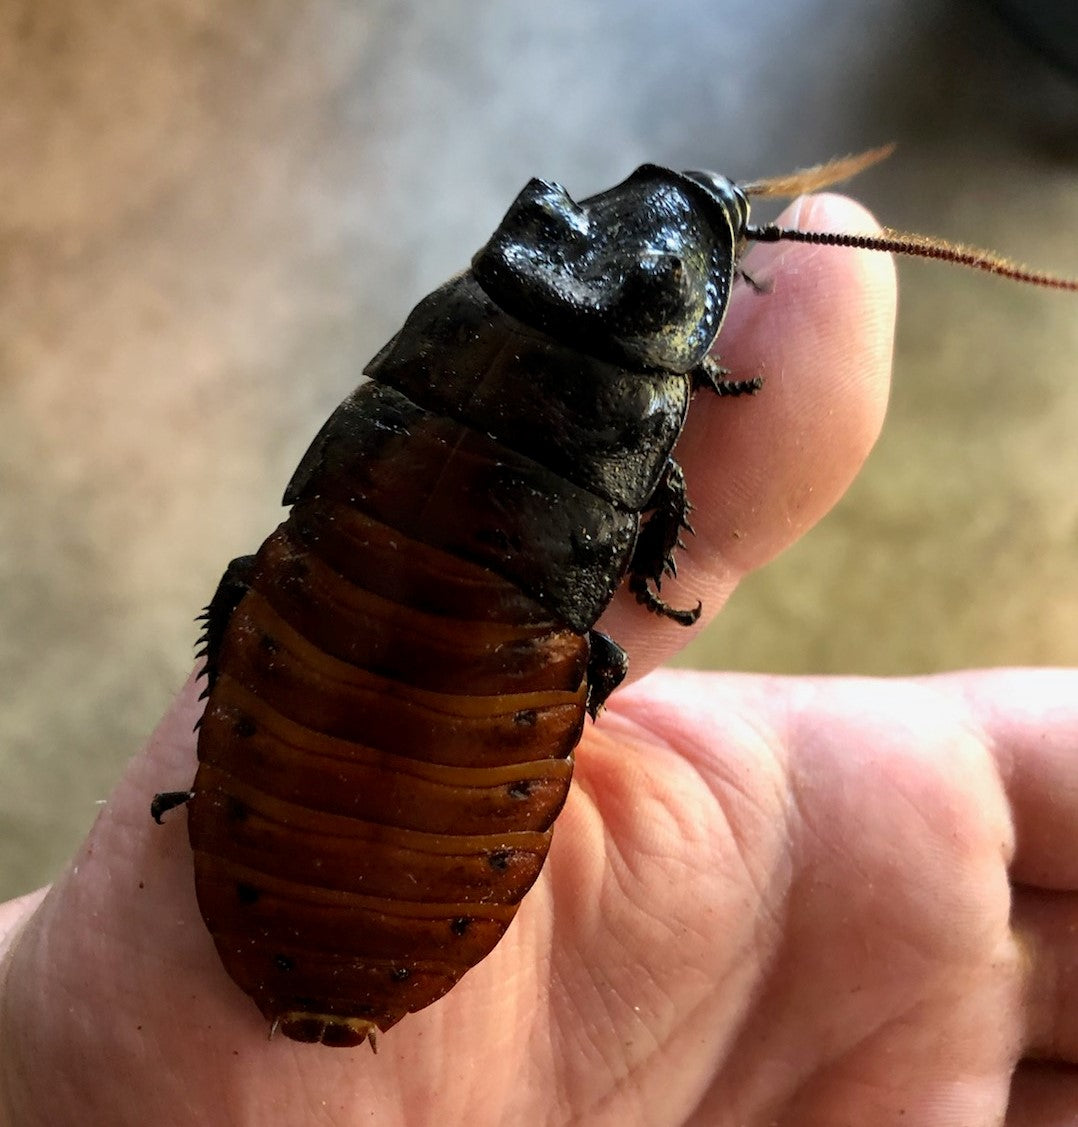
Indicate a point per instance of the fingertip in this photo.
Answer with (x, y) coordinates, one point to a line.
(762, 470)
(829, 303)
(821, 336)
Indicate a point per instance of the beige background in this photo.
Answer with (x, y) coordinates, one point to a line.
(209, 222)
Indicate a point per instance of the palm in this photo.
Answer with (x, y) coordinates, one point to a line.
(779, 901)
(804, 887)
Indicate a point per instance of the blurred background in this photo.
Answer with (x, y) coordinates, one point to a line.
(212, 215)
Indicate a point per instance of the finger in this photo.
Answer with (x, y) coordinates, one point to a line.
(1031, 724)
(115, 951)
(762, 471)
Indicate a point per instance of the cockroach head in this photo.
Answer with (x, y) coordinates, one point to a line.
(639, 274)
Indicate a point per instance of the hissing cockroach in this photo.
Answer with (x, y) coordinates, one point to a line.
(397, 680)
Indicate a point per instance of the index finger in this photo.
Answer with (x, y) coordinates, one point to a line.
(762, 470)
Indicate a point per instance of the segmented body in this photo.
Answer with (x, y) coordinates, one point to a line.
(381, 759)
(398, 678)
(390, 730)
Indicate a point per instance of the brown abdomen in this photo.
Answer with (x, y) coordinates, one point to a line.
(387, 742)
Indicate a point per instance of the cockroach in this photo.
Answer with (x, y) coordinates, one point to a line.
(398, 679)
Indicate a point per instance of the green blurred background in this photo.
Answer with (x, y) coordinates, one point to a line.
(212, 215)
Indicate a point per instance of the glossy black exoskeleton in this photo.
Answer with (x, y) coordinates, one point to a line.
(576, 341)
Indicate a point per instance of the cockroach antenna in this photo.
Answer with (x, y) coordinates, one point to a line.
(897, 242)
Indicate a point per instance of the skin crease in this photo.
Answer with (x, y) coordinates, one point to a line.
(769, 901)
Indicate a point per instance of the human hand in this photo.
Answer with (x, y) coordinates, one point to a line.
(768, 900)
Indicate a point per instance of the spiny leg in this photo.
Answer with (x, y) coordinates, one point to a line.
(660, 536)
(711, 376)
(235, 583)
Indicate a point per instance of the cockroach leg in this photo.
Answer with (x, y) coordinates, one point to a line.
(168, 800)
(235, 583)
(713, 377)
(752, 283)
(659, 537)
